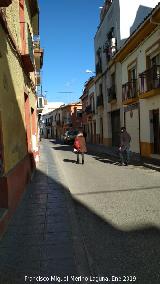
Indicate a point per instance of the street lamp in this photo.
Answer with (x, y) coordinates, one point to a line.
(90, 71)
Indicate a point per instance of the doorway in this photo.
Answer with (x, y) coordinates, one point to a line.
(156, 132)
(94, 133)
(101, 130)
(115, 124)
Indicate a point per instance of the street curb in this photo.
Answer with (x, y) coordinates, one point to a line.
(146, 163)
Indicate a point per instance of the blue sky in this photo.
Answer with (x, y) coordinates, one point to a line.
(67, 30)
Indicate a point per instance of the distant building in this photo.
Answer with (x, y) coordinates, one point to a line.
(46, 117)
(65, 117)
(89, 117)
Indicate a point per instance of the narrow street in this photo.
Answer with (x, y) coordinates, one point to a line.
(88, 76)
(118, 213)
(107, 229)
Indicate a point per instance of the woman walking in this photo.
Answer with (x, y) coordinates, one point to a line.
(80, 146)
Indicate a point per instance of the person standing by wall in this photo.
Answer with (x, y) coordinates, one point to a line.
(124, 148)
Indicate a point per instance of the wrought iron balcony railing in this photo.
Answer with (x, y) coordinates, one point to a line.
(150, 79)
(98, 68)
(129, 90)
(88, 109)
(58, 123)
(36, 42)
(67, 121)
(38, 78)
(100, 100)
(48, 124)
(112, 93)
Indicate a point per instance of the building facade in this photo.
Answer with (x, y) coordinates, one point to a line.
(140, 61)
(61, 119)
(89, 115)
(18, 100)
(115, 27)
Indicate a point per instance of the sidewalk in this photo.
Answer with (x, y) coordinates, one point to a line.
(113, 153)
(39, 240)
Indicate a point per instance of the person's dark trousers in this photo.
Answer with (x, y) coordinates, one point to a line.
(125, 156)
(82, 154)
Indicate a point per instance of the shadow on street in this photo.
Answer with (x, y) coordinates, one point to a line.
(39, 239)
(121, 253)
(69, 161)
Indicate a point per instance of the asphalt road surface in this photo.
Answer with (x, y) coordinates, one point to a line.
(118, 213)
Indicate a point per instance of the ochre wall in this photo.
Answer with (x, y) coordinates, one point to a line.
(13, 84)
(11, 105)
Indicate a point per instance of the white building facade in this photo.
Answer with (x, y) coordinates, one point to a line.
(118, 19)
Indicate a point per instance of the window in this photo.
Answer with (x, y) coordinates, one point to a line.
(113, 79)
(132, 74)
(155, 60)
(79, 113)
(40, 105)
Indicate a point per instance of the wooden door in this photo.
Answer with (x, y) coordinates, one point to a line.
(156, 132)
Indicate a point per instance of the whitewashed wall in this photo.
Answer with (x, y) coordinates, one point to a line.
(146, 105)
(139, 54)
(128, 10)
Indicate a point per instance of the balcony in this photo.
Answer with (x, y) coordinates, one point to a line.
(88, 109)
(38, 54)
(40, 103)
(67, 121)
(112, 94)
(38, 78)
(5, 3)
(48, 124)
(100, 100)
(27, 51)
(150, 81)
(34, 7)
(98, 68)
(105, 9)
(58, 123)
(130, 91)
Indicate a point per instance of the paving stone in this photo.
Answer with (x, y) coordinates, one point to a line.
(52, 219)
(63, 266)
(56, 203)
(57, 227)
(66, 235)
(31, 229)
(39, 238)
(56, 252)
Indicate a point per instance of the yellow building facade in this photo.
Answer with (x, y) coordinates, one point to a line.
(140, 65)
(18, 100)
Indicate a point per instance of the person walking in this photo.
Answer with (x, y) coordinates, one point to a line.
(124, 148)
(80, 146)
